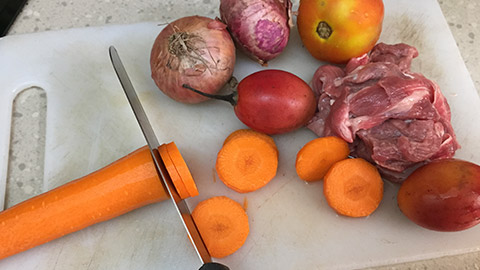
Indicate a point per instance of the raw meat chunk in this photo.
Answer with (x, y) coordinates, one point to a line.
(391, 116)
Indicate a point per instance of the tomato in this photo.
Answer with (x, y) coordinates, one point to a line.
(337, 30)
(443, 195)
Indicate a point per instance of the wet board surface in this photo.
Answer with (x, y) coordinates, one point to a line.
(90, 124)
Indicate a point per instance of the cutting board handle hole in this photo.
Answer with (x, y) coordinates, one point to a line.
(27, 146)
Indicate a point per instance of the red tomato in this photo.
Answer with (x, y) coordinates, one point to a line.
(337, 30)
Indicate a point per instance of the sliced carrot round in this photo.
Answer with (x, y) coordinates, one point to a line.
(182, 169)
(247, 132)
(353, 187)
(223, 225)
(318, 155)
(247, 162)
(176, 179)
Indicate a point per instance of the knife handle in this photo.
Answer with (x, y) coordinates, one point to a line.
(214, 266)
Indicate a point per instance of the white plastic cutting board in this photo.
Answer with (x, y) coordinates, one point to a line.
(90, 124)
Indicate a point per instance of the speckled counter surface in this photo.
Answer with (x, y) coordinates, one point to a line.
(26, 154)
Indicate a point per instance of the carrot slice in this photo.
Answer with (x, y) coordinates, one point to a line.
(126, 184)
(246, 132)
(318, 155)
(182, 169)
(176, 179)
(247, 162)
(222, 224)
(353, 187)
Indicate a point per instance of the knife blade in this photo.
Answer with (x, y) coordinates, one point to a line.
(153, 144)
(9, 10)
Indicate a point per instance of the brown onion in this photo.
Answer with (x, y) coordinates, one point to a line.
(193, 50)
(260, 27)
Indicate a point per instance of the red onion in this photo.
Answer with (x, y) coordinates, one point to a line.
(261, 28)
(194, 50)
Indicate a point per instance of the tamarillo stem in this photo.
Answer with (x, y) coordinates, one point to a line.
(230, 98)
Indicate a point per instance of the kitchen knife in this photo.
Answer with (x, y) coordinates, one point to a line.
(9, 10)
(153, 144)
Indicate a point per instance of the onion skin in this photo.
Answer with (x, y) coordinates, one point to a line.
(261, 28)
(208, 68)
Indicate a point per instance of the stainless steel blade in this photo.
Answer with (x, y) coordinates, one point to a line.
(153, 144)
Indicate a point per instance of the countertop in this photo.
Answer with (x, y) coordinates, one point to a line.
(26, 158)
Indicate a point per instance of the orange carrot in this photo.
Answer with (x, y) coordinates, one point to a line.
(245, 203)
(353, 187)
(214, 175)
(182, 169)
(247, 161)
(222, 224)
(172, 171)
(246, 132)
(126, 184)
(318, 155)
